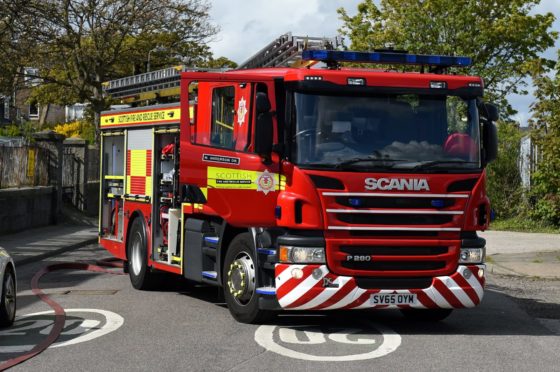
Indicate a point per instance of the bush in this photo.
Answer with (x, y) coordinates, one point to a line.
(504, 180)
(25, 130)
(80, 128)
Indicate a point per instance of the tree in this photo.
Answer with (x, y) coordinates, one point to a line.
(221, 62)
(546, 121)
(504, 179)
(79, 44)
(502, 38)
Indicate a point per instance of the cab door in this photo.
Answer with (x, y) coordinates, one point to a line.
(217, 156)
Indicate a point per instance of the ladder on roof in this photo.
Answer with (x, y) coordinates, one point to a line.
(149, 85)
(285, 51)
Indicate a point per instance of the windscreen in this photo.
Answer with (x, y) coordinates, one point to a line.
(396, 131)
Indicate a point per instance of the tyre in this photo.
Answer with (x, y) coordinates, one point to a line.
(8, 300)
(426, 315)
(137, 252)
(240, 280)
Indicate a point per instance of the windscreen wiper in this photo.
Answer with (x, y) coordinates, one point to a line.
(389, 163)
(435, 163)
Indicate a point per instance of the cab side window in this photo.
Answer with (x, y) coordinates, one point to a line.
(223, 108)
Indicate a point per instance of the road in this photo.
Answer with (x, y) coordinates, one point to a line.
(183, 327)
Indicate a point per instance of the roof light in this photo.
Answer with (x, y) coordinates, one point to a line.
(385, 57)
(314, 78)
(356, 81)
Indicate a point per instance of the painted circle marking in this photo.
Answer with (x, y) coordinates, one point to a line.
(362, 337)
(86, 325)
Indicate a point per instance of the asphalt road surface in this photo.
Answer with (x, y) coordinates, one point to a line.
(110, 326)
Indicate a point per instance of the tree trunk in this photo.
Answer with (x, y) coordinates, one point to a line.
(44, 113)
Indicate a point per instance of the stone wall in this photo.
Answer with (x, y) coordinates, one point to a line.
(26, 207)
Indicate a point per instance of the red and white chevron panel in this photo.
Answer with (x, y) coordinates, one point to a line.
(309, 292)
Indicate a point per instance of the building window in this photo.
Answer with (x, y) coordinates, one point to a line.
(30, 76)
(6, 107)
(33, 110)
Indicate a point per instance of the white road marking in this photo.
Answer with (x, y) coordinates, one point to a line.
(85, 330)
(264, 336)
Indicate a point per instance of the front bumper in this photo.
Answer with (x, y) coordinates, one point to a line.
(319, 289)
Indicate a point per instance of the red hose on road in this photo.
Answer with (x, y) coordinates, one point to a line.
(60, 314)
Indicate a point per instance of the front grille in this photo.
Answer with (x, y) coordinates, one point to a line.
(394, 250)
(394, 283)
(394, 265)
(396, 202)
(395, 219)
(388, 236)
(400, 234)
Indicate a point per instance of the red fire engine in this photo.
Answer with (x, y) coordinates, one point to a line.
(304, 188)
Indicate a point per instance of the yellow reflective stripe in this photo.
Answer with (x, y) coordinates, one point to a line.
(227, 178)
(148, 186)
(128, 184)
(114, 177)
(138, 163)
(239, 179)
(282, 183)
(171, 114)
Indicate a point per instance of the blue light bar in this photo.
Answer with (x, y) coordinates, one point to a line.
(386, 58)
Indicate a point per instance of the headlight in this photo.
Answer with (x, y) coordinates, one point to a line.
(290, 254)
(472, 255)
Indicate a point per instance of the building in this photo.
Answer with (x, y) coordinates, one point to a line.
(17, 107)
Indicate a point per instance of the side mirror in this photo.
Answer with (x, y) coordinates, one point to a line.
(264, 131)
(490, 141)
(492, 113)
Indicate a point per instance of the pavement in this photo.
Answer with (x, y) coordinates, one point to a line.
(37, 244)
(523, 254)
(507, 253)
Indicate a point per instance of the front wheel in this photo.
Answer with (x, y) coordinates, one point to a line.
(426, 315)
(8, 300)
(240, 280)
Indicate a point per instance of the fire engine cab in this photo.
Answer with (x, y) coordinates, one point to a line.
(296, 183)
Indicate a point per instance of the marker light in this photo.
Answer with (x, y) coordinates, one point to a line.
(355, 202)
(385, 57)
(437, 203)
(356, 81)
(438, 84)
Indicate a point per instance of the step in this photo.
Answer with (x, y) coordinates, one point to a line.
(212, 240)
(267, 251)
(210, 275)
(270, 291)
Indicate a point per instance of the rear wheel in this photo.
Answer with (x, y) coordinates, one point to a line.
(426, 315)
(240, 280)
(137, 253)
(8, 300)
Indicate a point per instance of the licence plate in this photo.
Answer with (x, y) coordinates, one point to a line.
(393, 299)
